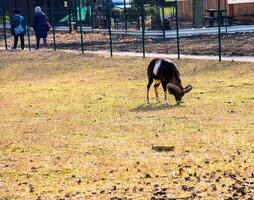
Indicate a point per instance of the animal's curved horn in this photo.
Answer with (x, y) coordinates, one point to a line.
(174, 87)
(187, 89)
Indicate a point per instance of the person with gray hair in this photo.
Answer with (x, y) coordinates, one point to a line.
(41, 27)
(37, 9)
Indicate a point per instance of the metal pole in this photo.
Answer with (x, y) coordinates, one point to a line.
(109, 28)
(81, 29)
(163, 18)
(143, 26)
(76, 14)
(1, 13)
(92, 11)
(225, 4)
(4, 24)
(125, 19)
(177, 30)
(219, 28)
(70, 18)
(28, 23)
(52, 6)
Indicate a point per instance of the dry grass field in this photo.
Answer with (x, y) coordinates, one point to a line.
(77, 127)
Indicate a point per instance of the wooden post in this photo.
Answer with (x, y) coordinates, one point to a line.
(198, 13)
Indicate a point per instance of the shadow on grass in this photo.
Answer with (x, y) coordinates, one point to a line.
(153, 107)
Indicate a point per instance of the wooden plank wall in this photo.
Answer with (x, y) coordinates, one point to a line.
(185, 8)
(237, 9)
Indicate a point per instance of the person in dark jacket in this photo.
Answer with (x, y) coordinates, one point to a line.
(18, 28)
(40, 25)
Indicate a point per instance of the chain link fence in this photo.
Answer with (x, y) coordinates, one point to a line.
(196, 27)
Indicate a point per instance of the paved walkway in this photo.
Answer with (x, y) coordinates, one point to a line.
(156, 55)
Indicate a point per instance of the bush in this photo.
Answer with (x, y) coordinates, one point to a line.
(7, 19)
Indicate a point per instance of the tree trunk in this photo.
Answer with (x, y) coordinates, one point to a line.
(156, 22)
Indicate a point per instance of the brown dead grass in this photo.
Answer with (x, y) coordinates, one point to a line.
(77, 127)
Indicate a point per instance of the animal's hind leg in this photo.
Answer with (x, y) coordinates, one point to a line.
(150, 81)
(156, 86)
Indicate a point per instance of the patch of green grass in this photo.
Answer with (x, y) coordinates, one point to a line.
(77, 126)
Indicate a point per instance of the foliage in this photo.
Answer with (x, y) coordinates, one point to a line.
(117, 13)
(7, 19)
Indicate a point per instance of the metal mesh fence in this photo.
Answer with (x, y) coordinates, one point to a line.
(195, 37)
(127, 28)
(194, 27)
(237, 31)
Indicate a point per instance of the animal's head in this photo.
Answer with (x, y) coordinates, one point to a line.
(178, 91)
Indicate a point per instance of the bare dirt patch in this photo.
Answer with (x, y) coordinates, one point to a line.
(240, 44)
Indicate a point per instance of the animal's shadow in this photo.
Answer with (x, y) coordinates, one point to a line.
(154, 107)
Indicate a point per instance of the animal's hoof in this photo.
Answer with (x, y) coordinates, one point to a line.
(166, 104)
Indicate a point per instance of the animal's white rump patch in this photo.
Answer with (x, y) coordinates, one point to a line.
(157, 66)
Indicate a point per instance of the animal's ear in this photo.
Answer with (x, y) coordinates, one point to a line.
(187, 89)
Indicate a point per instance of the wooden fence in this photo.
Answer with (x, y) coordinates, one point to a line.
(185, 8)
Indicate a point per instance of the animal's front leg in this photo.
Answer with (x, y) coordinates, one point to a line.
(165, 94)
(165, 98)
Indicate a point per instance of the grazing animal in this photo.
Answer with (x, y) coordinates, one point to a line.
(165, 72)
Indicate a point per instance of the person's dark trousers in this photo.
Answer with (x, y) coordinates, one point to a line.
(38, 42)
(16, 39)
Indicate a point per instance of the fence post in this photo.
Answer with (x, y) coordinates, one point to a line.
(109, 27)
(125, 19)
(76, 14)
(177, 30)
(52, 6)
(4, 23)
(28, 23)
(143, 26)
(70, 15)
(81, 28)
(163, 18)
(1, 13)
(92, 11)
(219, 28)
